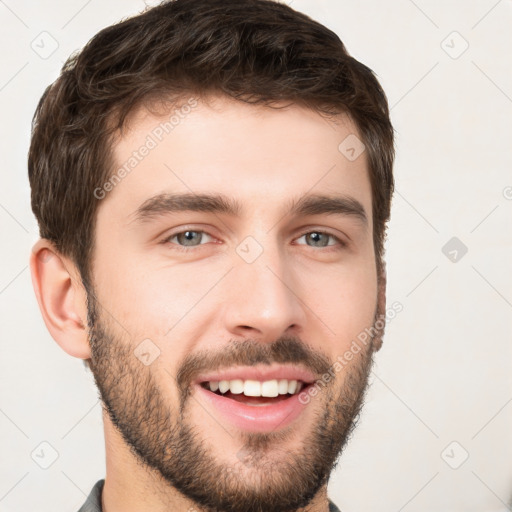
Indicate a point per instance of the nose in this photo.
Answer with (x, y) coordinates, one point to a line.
(264, 299)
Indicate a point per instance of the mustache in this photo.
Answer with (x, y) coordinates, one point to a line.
(251, 352)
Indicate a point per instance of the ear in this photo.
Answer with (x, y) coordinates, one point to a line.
(381, 308)
(61, 297)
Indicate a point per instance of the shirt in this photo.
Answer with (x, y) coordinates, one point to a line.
(93, 501)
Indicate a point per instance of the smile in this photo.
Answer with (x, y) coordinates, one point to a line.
(255, 404)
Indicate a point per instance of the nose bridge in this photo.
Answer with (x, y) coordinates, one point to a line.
(262, 295)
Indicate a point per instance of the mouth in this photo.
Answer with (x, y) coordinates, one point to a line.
(255, 405)
(253, 392)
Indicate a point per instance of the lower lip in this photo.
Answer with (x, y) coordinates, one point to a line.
(252, 418)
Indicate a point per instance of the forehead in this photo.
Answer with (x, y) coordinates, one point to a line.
(262, 156)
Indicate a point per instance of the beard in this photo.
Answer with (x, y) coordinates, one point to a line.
(162, 437)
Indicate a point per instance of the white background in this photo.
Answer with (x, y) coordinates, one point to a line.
(443, 374)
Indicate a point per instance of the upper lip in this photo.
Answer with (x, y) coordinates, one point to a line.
(260, 373)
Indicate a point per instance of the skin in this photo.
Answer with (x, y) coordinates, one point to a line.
(297, 303)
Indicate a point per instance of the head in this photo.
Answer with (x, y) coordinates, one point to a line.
(212, 182)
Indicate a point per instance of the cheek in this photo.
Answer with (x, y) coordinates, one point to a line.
(344, 300)
(149, 301)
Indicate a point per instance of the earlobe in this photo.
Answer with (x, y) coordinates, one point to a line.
(61, 298)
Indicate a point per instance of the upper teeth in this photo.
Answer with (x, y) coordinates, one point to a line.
(268, 388)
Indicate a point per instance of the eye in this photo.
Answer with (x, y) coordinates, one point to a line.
(321, 239)
(188, 238)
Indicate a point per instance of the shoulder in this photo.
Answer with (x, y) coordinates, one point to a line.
(93, 501)
(333, 507)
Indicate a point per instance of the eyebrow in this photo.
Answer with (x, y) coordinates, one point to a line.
(316, 204)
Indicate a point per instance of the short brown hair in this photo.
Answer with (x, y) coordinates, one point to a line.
(256, 51)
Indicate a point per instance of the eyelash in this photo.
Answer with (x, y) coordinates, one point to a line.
(335, 247)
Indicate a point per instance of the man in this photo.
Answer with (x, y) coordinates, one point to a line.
(212, 181)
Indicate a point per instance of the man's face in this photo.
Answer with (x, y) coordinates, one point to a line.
(183, 297)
